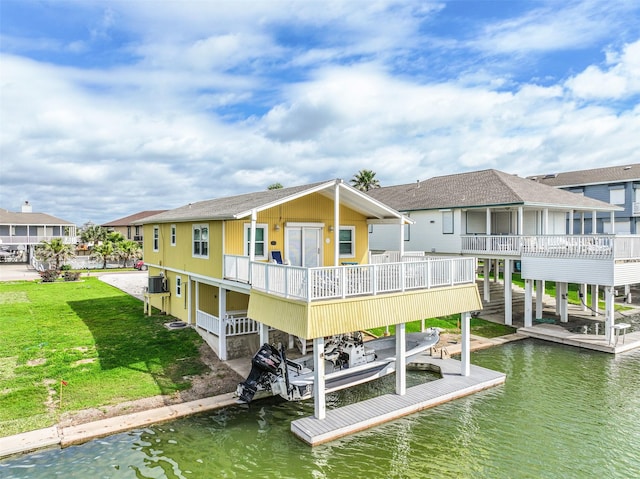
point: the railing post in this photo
(429, 272)
(308, 279)
(374, 279)
(343, 280)
(403, 271)
(451, 270)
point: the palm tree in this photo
(104, 252)
(55, 250)
(127, 250)
(365, 180)
(93, 234)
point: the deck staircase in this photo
(496, 305)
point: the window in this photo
(128, 232)
(616, 196)
(447, 222)
(347, 241)
(178, 286)
(156, 238)
(201, 241)
(173, 235)
(260, 243)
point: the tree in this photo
(55, 250)
(127, 250)
(275, 186)
(365, 180)
(93, 234)
(103, 252)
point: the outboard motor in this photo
(266, 360)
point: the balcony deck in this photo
(614, 248)
(340, 282)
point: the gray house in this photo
(617, 185)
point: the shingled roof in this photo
(131, 219)
(481, 189)
(16, 218)
(240, 206)
(610, 174)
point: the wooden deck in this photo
(559, 334)
(366, 414)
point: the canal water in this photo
(563, 413)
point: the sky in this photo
(108, 108)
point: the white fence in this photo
(235, 323)
(311, 284)
(556, 246)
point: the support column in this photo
(583, 294)
(319, 399)
(539, 297)
(582, 222)
(627, 293)
(222, 333)
(508, 307)
(613, 222)
(496, 271)
(264, 333)
(465, 353)
(594, 300)
(485, 281)
(564, 311)
(528, 307)
(336, 225)
(401, 353)
(520, 220)
(594, 222)
(609, 320)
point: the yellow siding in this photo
(208, 299)
(313, 208)
(325, 318)
(180, 256)
(237, 301)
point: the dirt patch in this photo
(220, 379)
(36, 362)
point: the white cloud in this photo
(620, 79)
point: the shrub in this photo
(71, 276)
(49, 275)
(65, 267)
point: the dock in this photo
(558, 333)
(363, 415)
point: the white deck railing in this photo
(35, 239)
(310, 284)
(556, 246)
(235, 323)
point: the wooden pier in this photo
(381, 409)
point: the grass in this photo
(94, 337)
(451, 324)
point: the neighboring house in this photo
(21, 232)
(618, 185)
(498, 217)
(129, 226)
(293, 263)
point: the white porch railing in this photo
(393, 256)
(18, 240)
(492, 244)
(236, 267)
(208, 322)
(310, 284)
(235, 323)
(556, 246)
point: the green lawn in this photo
(94, 337)
(451, 324)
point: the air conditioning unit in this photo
(155, 284)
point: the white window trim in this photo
(179, 286)
(195, 226)
(174, 234)
(247, 228)
(156, 238)
(353, 241)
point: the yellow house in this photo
(290, 263)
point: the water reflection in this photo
(561, 413)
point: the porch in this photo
(607, 247)
(413, 272)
